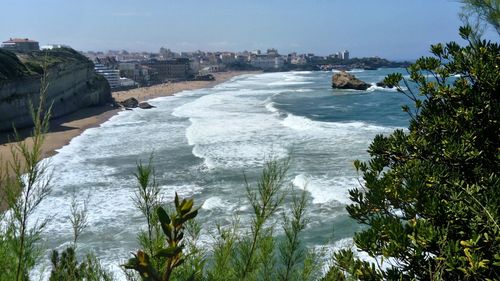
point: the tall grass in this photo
(237, 253)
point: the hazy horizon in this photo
(394, 29)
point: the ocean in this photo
(206, 141)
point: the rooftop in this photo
(20, 40)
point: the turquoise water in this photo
(204, 141)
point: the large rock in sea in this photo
(145, 105)
(130, 103)
(344, 80)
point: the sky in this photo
(394, 29)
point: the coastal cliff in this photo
(72, 84)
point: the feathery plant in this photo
(26, 183)
(290, 250)
(237, 254)
(65, 265)
(264, 202)
(260, 254)
(155, 240)
(147, 199)
(173, 226)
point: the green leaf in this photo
(169, 252)
(176, 202)
(190, 215)
(163, 216)
(186, 206)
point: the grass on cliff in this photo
(22, 65)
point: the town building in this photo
(345, 55)
(165, 70)
(298, 60)
(272, 52)
(267, 62)
(127, 82)
(241, 58)
(53, 46)
(212, 69)
(112, 75)
(20, 45)
(227, 58)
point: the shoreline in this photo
(63, 129)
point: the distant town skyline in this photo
(393, 29)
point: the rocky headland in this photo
(72, 84)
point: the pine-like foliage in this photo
(431, 195)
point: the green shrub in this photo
(431, 198)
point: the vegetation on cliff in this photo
(21, 65)
(365, 63)
(11, 67)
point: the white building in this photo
(112, 75)
(345, 55)
(53, 46)
(227, 58)
(126, 82)
(266, 62)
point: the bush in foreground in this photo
(237, 254)
(431, 198)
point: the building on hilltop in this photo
(21, 45)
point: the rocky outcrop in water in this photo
(72, 85)
(145, 105)
(383, 85)
(130, 103)
(133, 103)
(344, 80)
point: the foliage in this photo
(65, 264)
(21, 65)
(290, 250)
(260, 254)
(147, 199)
(237, 254)
(487, 11)
(431, 196)
(10, 66)
(173, 227)
(65, 267)
(26, 182)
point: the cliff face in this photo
(72, 84)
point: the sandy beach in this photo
(63, 129)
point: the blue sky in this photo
(395, 29)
